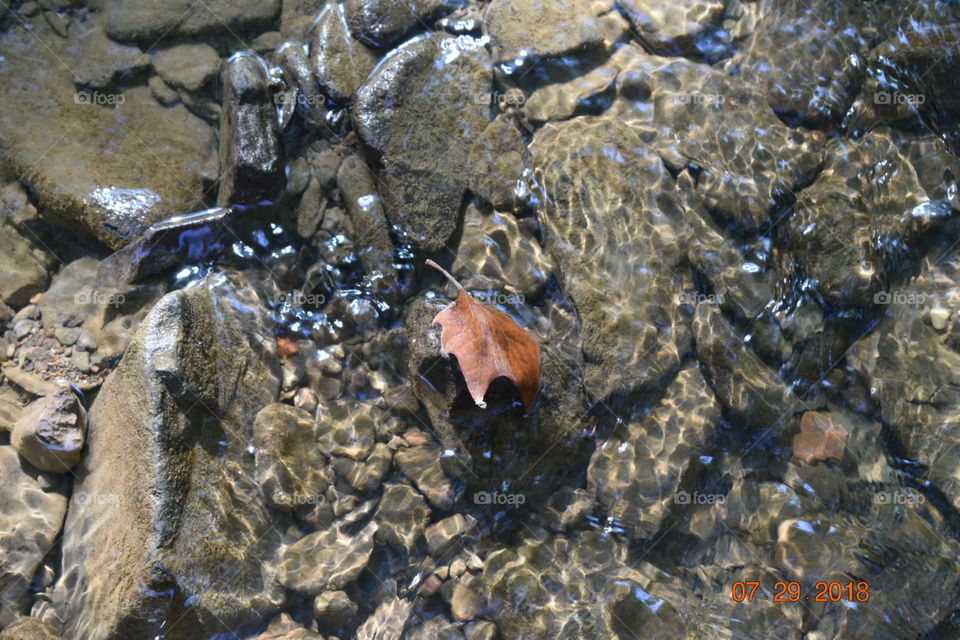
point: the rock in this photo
(30, 520)
(498, 163)
(743, 384)
(299, 75)
(50, 432)
(807, 60)
(26, 628)
(267, 42)
(179, 241)
(447, 532)
(187, 66)
(939, 317)
(685, 28)
(544, 28)
(333, 608)
(325, 560)
(67, 336)
(154, 164)
(163, 92)
(347, 427)
(480, 630)
(251, 156)
(340, 62)
(25, 264)
(96, 60)
(496, 257)
(387, 622)
(175, 415)
(284, 627)
(296, 18)
(742, 175)
(424, 172)
(401, 516)
(127, 20)
(637, 477)
(382, 22)
(421, 465)
(291, 470)
(863, 218)
(371, 234)
(466, 604)
(596, 175)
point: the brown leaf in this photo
(488, 344)
(819, 438)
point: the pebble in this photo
(939, 317)
(29, 312)
(465, 604)
(24, 328)
(67, 336)
(305, 399)
(87, 341)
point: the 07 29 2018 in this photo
(823, 591)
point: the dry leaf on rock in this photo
(488, 345)
(819, 438)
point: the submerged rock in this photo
(150, 21)
(25, 264)
(30, 520)
(325, 560)
(542, 28)
(187, 66)
(679, 28)
(431, 79)
(808, 58)
(167, 475)
(155, 162)
(637, 475)
(29, 629)
(606, 194)
(291, 470)
(340, 62)
(855, 228)
(50, 432)
(97, 61)
(286, 628)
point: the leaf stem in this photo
(444, 272)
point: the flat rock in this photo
(402, 516)
(291, 470)
(30, 520)
(154, 163)
(323, 560)
(421, 466)
(284, 627)
(96, 60)
(149, 21)
(540, 28)
(433, 79)
(340, 61)
(637, 476)
(605, 192)
(25, 264)
(678, 28)
(187, 66)
(176, 415)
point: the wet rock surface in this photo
(33, 512)
(93, 186)
(424, 169)
(189, 412)
(730, 225)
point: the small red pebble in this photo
(416, 438)
(287, 347)
(36, 298)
